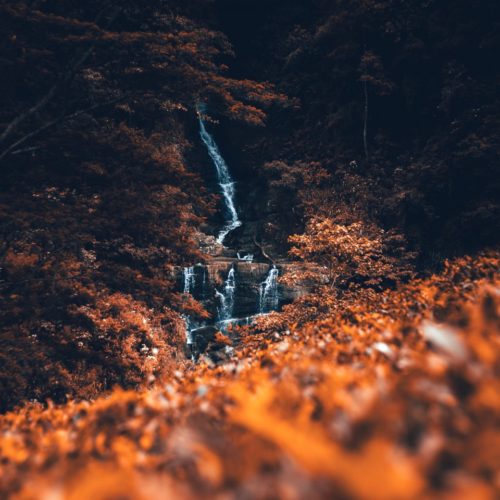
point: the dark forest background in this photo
(383, 113)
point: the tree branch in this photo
(25, 150)
(51, 124)
(261, 248)
(14, 124)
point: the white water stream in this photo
(268, 292)
(189, 279)
(225, 180)
(268, 298)
(226, 297)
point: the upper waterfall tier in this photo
(225, 180)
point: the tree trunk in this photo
(261, 248)
(365, 125)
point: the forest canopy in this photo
(249, 249)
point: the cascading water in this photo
(226, 297)
(268, 292)
(197, 282)
(245, 258)
(231, 322)
(189, 283)
(189, 279)
(233, 297)
(188, 329)
(224, 178)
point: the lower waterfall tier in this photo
(236, 292)
(208, 282)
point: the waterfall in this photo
(189, 282)
(225, 180)
(245, 258)
(226, 297)
(188, 330)
(268, 292)
(189, 279)
(231, 322)
(196, 281)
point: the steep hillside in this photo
(396, 100)
(101, 193)
(249, 249)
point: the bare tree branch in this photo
(261, 248)
(14, 124)
(20, 118)
(53, 123)
(25, 150)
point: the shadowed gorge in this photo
(249, 249)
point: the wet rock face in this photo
(202, 337)
(315, 275)
(210, 278)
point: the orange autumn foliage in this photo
(383, 381)
(389, 394)
(354, 252)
